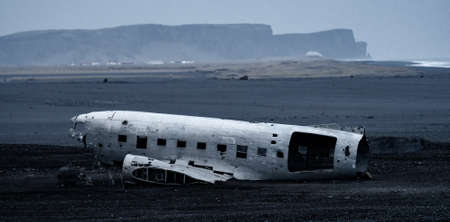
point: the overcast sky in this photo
(394, 29)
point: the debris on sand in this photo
(245, 77)
(69, 176)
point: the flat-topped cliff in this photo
(151, 42)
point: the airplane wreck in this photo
(177, 149)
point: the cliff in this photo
(143, 43)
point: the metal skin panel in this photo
(104, 127)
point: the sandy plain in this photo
(405, 110)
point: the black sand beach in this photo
(408, 184)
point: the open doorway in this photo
(309, 151)
(362, 155)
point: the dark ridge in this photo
(151, 42)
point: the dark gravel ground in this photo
(412, 185)
(411, 175)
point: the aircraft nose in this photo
(79, 118)
(79, 130)
(74, 118)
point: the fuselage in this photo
(245, 150)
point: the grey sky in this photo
(394, 29)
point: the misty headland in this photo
(157, 44)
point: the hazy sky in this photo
(393, 28)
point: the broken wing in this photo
(145, 169)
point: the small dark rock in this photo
(244, 78)
(68, 176)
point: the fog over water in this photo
(401, 29)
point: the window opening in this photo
(280, 154)
(161, 142)
(122, 138)
(221, 148)
(262, 151)
(181, 143)
(201, 145)
(241, 151)
(141, 142)
(347, 151)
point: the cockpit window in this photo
(78, 125)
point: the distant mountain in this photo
(150, 42)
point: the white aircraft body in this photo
(177, 149)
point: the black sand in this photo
(409, 185)
(406, 187)
(40, 111)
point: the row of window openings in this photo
(241, 151)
